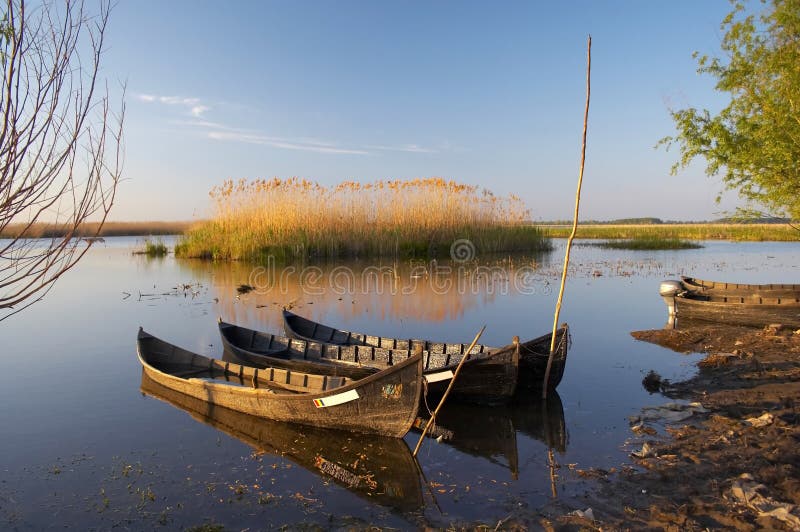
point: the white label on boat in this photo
(337, 399)
(441, 376)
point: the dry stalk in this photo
(574, 221)
(447, 391)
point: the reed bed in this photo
(694, 231)
(649, 243)
(153, 248)
(43, 230)
(299, 219)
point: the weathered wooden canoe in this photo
(385, 403)
(485, 377)
(533, 354)
(379, 469)
(700, 285)
(736, 307)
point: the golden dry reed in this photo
(298, 219)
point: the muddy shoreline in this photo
(723, 454)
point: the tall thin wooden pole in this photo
(447, 391)
(574, 221)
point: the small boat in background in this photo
(533, 354)
(485, 377)
(376, 468)
(735, 304)
(385, 403)
(699, 285)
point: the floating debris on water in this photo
(244, 289)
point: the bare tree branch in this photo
(60, 143)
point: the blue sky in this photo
(486, 93)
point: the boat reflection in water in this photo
(380, 469)
(490, 432)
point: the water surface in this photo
(88, 444)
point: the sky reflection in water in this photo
(83, 444)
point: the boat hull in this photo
(385, 403)
(487, 378)
(754, 305)
(751, 311)
(706, 287)
(533, 354)
(533, 360)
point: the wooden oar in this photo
(447, 391)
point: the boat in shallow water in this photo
(533, 354)
(694, 284)
(485, 377)
(385, 403)
(735, 304)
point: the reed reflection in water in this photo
(432, 291)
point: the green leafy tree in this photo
(754, 142)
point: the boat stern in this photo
(668, 290)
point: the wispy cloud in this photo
(411, 148)
(278, 142)
(223, 132)
(196, 111)
(192, 105)
(204, 124)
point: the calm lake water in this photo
(88, 444)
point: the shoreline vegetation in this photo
(89, 229)
(672, 231)
(297, 219)
(753, 232)
(648, 243)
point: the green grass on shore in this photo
(699, 231)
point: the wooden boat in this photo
(485, 377)
(533, 354)
(376, 468)
(700, 285)
(754, 307)
(385, 403)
